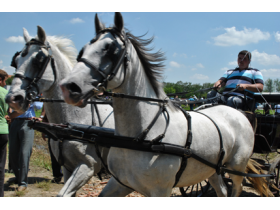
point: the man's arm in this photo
(220, 83)
(252, 87)
(13, 114)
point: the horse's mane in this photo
(65, 46)
(152, 62)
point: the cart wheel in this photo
(275, 169)
(197, 190)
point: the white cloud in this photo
(175, 64)
(1, 62)
(277, 36)
(199, 65)
(194, 69)
(200, 77)
(270, 73)
(76, 20)
(184, 55)
(181, 55)
(234, 37)
(15, 39)
(264, 58)
(224, 69)
(232, 63)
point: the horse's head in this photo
(34, 72)
(98, 64)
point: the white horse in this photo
(80, 159)
(151, 173)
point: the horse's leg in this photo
(218, 184)
(237, 185)
(80, 176)
(66, 174)
(115, 189)
(236, 180)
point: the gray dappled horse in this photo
(80, 159)
(153, 174)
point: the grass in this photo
(38, 113)
(41, 159)
(19, 193)
(261, 111)
(8, 175)
(45, 185)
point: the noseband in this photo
(40, 62)
(117, 62)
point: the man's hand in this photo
(8, 119)
(44, 137)
(218, 84)
(242, 87)
(37, 119)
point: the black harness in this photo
(40, 62)
(154, 145)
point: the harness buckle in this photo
(187, 153)
(77, 134)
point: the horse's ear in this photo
(26, 36)
(98, 25)
(41, 34)
(119, 21)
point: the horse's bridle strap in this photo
(86, 61)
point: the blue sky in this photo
(199, 46)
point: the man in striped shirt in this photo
(244, 76)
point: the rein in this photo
(183, 93)
(50, 100)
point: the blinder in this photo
(40, 60)
(13, 63)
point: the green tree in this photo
(269, 87)
(168, 88)
(9, 80)
(277, 85)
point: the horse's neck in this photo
(62, 112)
(133, 116)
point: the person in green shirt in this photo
(4, 128)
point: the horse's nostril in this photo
(18, 98)
(74, 88)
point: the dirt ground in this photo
(39, 183)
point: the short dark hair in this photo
(3, 74)
(246, 52)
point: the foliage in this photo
(180, 86)
(9, 80)
(268, 87)
(277, 85)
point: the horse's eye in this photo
(106, 47)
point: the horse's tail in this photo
(260, 184)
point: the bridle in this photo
(123, 57)
(40, 62)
